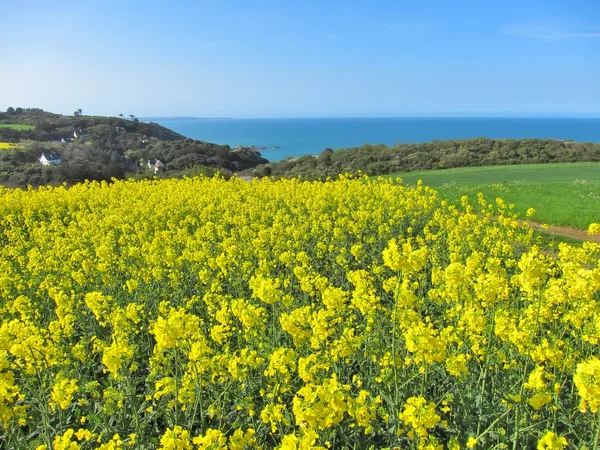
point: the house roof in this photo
(51, 156)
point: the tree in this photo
(10, 110)
(132, 116)
(324, 157)
(78, 112)
(104, 137)
(121, 115)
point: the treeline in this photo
(381, 159)
(187, 153)
(103, 159)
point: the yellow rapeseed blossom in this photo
(550, 441)
(176, 439)
(115, 356)
(305, 442)
(65, 441)
(419, 415)
(587, 381)
(212, 313)
(211, 440)
(594, 228)
(320, 406)
(273, 415)
(63, 392)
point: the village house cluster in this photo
(53, 158)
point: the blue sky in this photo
(303, 58)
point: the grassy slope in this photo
(17, 126)
(562, 194)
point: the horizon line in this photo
(435, 116)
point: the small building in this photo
(80, 134)
(156, 164)
(50, 158)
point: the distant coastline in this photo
(298, 137)
(182, 118)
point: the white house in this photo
(156, 165)
(50, 158)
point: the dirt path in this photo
(569, 232)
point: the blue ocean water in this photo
(297, 137)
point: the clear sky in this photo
(302, 58)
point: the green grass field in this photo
(562, 194)
(16, 126)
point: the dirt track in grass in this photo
(569, 232)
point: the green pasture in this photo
(562, 194)
(17, 126)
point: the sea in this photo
(277, 139)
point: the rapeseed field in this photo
(211, 314)
(7, 146)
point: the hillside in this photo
(47, 126)
(102, 148)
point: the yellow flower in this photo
(98, 303)
(472, 442)
(241, 440)
(594, 228)
(587, 381)
(65, 441)
(420, 415)
(113, 444)
(62, 392)
(306, 442)
(551, 441)
(212, 440)
(281, 362)
(116, 356)
(425, 342)
(265, 289)
(174, 330)
(176, 439)
(320, 406)
(273, 415)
